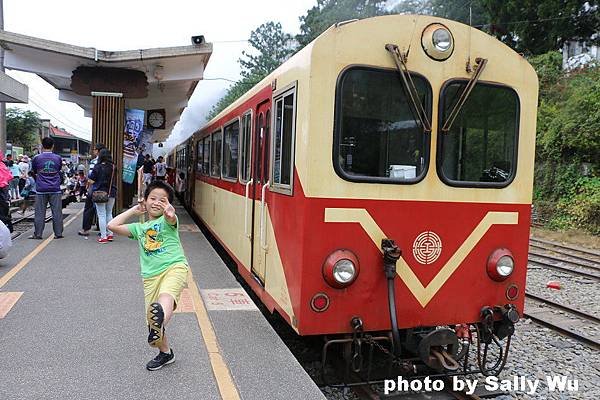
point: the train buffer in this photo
(72, 326)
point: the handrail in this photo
(246, 209)
(263, 236)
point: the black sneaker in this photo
(160, 360)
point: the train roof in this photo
(303, 56)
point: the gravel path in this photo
(537, 352)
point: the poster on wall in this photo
(134, 124)
(144, 143)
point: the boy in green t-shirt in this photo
(164, 267)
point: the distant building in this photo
(578, 54)
(67, 145)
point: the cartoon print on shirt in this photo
(153, 240)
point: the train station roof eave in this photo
(12, 91)
(172, 73)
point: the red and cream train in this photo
(388, 165)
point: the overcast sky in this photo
(129, 25)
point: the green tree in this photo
(528, 26)
(549, 70)
(273, 47)
(234, 92)
(329, 12)
(22, 127)
(572, 131)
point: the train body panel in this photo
(326, 157)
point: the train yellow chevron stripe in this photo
(422, 294)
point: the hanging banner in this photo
(144, 143)
(134, 123)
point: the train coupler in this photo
(438, 349)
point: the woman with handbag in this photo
(104, 191)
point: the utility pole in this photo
(2, 104)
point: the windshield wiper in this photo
(480, 64)
(409, 86)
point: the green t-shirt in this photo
(160, 246)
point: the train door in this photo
(261, 184)
(190, 176)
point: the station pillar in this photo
(108, 126)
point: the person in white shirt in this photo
(24, 169)
(160, 169)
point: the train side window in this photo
(206, 156)
(231, 140)
(376, 136)
(480, 150)
(200, 156)
(215, 154)
(246, 138)
(283, 141)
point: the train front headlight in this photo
(441, 39)
(341, 268)
(500, 265)
(344, 271)
(505, 266)
(437, 42)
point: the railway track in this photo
(24, 222)
(569, 321)
(574, 260)
(562, 248)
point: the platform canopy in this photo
(12, 91)
(150, 79)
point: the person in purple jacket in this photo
(46, 166)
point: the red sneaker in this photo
(102, 240)
(110, 238)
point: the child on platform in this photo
(164, 267)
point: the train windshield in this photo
(481, 147)
(377, 137)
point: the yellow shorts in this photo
(170, 281)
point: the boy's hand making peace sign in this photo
(168, 211)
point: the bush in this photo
(580, 209)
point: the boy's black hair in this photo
(158, 184)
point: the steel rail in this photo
(563, 307)
(565, 330)
(580, 249)
(565, 269)
(563, 260)
(563, 252)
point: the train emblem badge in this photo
(427, 247)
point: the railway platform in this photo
(72, 326)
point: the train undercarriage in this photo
(371, 357)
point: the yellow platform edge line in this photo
(10, 274)
(221, 372)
